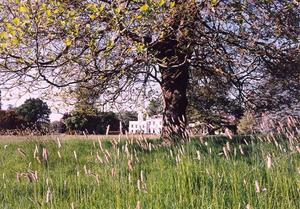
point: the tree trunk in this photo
(174, 87)
(172, 52)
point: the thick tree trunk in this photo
(174, 86)
(172, 52)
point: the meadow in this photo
(260, 171)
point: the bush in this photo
(9, 119)
(247, 123)
(58, 127)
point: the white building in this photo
(152, 125)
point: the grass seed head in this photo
(130, 165)
(48, 196)
(75, 155)
(21, 152)
(45, 154)
(58, 153)
(138, 205)
(257, 188)
(269, 161)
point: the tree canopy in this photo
(34, 111)
(113, 45)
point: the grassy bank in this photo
(200, 174)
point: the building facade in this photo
(152, 125)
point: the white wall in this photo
(150, 126)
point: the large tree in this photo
(35, 112)
(115, 44)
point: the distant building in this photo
(152, 125)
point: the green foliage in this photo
(79, 121)
(86, 100)
(75, 121)
(34, 111)
(194, 175)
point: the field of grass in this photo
(208, 173)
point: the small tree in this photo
(34, 112)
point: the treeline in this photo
(96, 123)
(32, 117)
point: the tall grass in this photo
(207, 173)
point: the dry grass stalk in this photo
(198, 155)
(269, 161)
(75, 155)
(72, 206)
(36, 151)
(257, 188)
(99, 158)
(241, 150)
(58, 143)
(45, 154)
(113, 172)
(129, 178)
(228, 146)
(225, 152)
(142, 176)
(130, 165)
(171, 154)
(139, 185)
(59, 155)
(85, 170)
(138, 205)
(48, 196)
(21, 152)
